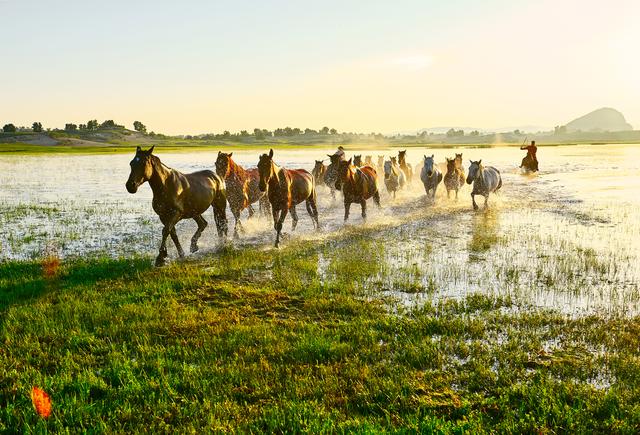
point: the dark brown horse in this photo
(242, 188)
(178, 196)
(331, 175)
(357, 185)
(406, 167)
(286, 189)
(318, 172)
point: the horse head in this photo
(344, 168)
(357, 160)
(428, 164)
(402, 156)
(388, 168)
(451, 165)
(265, 170)
(223, 164)
(141, 169)
(475, 168)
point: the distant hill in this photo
(605, 119)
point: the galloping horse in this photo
(406, 167)
(178, 196)
(318, 172)
(394, 178)
(357, 185)
(242, 188)
(286, 189)
(331, 175)
(454, 178)
(430, 176)
(357, 160)
(485, 180)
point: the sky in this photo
(194, 67)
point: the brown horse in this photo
(357, 185)
(458, 160)
(406, 168)
(454, 177)
(242, 188)
(286, 189)
(357, 160)
(331, 174)
(178, 196)
(318, 172)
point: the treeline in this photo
(91, 125)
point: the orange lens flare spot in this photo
(41, 402)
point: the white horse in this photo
(485, 179)
(394, 177)
(430, 176)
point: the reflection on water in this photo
(566, 238)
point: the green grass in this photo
(260, 341)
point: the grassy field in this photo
(262, 340)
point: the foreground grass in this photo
(260, 341)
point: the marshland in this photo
(429, 316)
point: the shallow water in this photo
(567, 238)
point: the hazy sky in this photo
(204, 66)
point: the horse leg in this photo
(486, 200)
(347, 206)
(333, 194)
(363, 204)
(166, 230)
(283, 214)
(376, 198)
(473, 200)
(251, 211)
(202, 224)
(220, 214)
(237, 223)
(313, 211)
(176, 242)
(294, 217)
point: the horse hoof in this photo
(160, 262)
(194, 249)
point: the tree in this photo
(258, 134)
(109, 123)
(310, 131)
(139, 127)
(92, 125)
(244, 133)
(324, 130)
(70, 127)
(474, 133)
(37, 127)
(9, 128)
(333, 131)
(455, 133)
(82, 126)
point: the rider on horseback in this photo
(530, 161)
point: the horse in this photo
(485, 180)
(242, 188)
(331, 174)
(178, 196)
(287, 188)
(319, 170)
(458, 160)
(430, 176)
(357, 160)
(380, 167)
(368, 160)
(529, 164)
(406, 167)
(454, 178)
(394, 178)
(357, 185)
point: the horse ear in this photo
(271, 153)
(349, 161)
(150, 150)
(138, 150)
(432, 156)
(479, 161)
(230, 154)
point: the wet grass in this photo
(299, 339)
